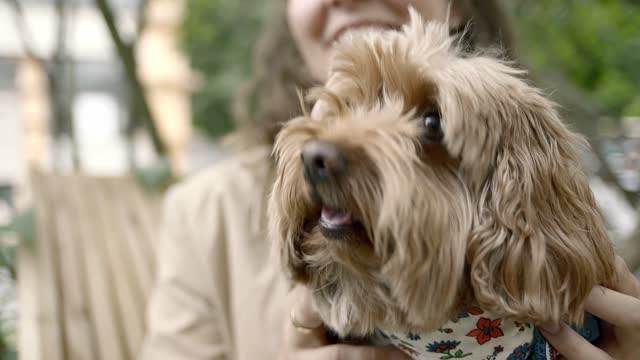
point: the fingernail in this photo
(552, 328)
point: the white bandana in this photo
(475, 335)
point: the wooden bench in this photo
(84, 282)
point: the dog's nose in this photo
(322, 160)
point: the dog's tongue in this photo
(335, 217)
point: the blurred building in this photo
(96, 85)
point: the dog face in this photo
(426, 179)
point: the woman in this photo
(219, 295)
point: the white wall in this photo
(12, 161)
(102, 148)
(88, 38)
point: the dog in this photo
(426, 181)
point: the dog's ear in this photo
(538, 244)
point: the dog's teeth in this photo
(335, 217)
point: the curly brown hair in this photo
(270, 97)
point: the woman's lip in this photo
(329, 40)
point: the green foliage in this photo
(7, 347)
(8, 258)
(7, 317)
(633, 108)
(218, 36)
(596, 43)
(23, 227)
(22, 224)
(157, 177)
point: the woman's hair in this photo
(270, 97)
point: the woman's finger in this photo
(615, 308)
(304, 327)
(304, 309)
(351, 352)
(571, 344)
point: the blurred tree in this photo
(59, 69)
(139, 108)
(61, 82)
(588, 52)
(218, 36)
(596, 43)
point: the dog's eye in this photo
(432, 129)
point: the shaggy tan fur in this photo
(498, 214)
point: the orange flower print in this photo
(474, 310)
(486, 330)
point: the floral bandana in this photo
(477, 334)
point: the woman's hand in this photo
(305, 337)
(620, 309)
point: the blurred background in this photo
(125, 96)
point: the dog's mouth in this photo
(339, 224)
(335, 218)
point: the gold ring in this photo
(299, 327)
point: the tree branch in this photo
(61, 82)
(142, 20)
(134, 108)
(23, 29)
(125, 53)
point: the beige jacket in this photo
(219, 294)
